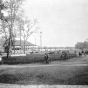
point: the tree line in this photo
(82, 45)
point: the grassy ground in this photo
(63, 75)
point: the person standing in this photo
(46, 57)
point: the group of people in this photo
(64, 55)
(81, 53)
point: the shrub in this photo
(34, 58)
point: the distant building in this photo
(19, 45)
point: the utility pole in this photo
(41, 41)
(35, 42)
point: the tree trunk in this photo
(24, 45)
(7, 51)
(20, 40)
(7, 54)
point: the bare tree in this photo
(26, 29)
(13, 9)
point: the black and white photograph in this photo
(43, 43)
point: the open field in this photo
(71, 72)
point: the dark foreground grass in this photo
(52, 75)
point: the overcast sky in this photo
(63, 22)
